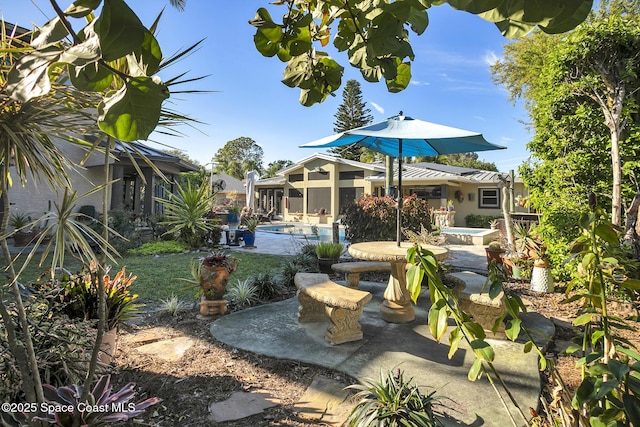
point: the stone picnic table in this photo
(397, 306)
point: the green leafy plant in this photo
(374, 218)
(445, 306)
(269, 286)
(186, 213)
(479, 221)
(251, 223)
(242, 292)
(609, 393)
(61, 345)
(495, 247)
(173, 305)
(393, 401)
(19, 220)
(159, 247)
(79, 293)
(329, 250)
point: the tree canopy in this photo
(465, 160)
(238, 157)
(581, 90)
(376, 35)
(274, 167)
(352, 113)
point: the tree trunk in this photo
(632, 227)
(616, 190)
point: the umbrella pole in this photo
(399, 217)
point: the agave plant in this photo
(185, 213)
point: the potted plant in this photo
(21, 235)
(233, 214)
(450, 205)
(494, 253)
(214, 274)
(328, 254)
(79, 295)
(541, 277)
(494, 223)
(250, 223)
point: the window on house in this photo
(296, 177)
(349, 195)
(489, 198)
(319, 199)
(295, 201)
(318, 176)
(427, 191)
(347, 175)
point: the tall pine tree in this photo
(351, 114)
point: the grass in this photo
(158, 275)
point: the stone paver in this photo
(147, 336)
(241, 405)
(324, 400)
(170, 350)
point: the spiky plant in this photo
(242, 292)
(393, 401)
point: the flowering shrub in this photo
(374, 218)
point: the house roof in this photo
(424, 172)
(276, 180)
(137, 150)
(333, 159)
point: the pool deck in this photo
(461, 257)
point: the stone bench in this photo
(479, 305)
(352, 270)
(321, 299)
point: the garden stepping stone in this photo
(170, 350)
(324, 400)
(147, 336)
(241, 405)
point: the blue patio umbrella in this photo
(403, 136)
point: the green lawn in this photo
(157, 275)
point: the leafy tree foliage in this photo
(375, 35)
(181, 154)
(465, 160)
(581, 92)
(352, 113)
(239, 156)
(374, 218)
(274, 167)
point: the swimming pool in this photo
(455, 235)
(302, 231)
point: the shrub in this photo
(374, 218)
(480, 221)
(558, 228)
(242, 292)
(329, 250)
(159, 247)
(62, 348)
(393, 401)
(269, 287)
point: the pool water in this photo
(311, 232)
(455, 235)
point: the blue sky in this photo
(451, 82)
